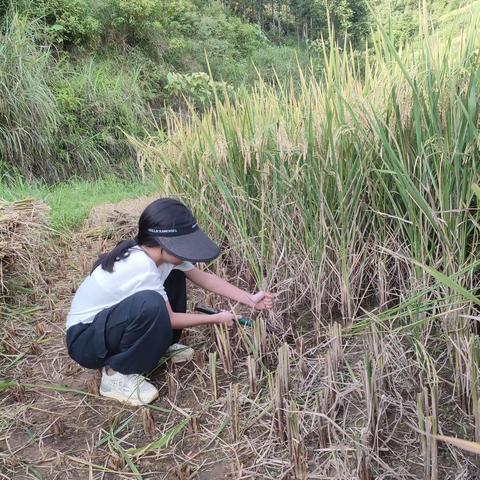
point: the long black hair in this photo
(153, 215)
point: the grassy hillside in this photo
(405, 20)
(83, 74)
(77, 75)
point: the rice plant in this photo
(29, 114)
(313, 184)
(355, 197)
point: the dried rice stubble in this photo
(116, 221)
(23, 243)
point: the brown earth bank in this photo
(296, 400)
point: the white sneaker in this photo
(132, 389)
(180, 353)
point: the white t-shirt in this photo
(102, 289)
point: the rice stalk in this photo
(212, 361)
(473, 374)
(223, 347)
(233, 411)
(295, 442)
(427, 410)
(252, 376)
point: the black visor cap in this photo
(176, 230)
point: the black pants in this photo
(132, 335)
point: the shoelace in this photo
(137, 378)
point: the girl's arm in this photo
(218, 285)
(185, 320)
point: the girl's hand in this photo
(225, 317)
(262, 300)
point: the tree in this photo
(309, 19)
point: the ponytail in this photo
(156, 214)
(107, 260)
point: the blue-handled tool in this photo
(246, 322)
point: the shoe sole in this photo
(128, 400)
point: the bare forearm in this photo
(186, 320)
(217, 285)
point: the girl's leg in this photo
(176, 287)
(138, 324)
(137, 332)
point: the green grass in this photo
(61, 118)
(71, 202)
(28, 111)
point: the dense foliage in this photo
(308, 19)
(402, 17)
(77, 75)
